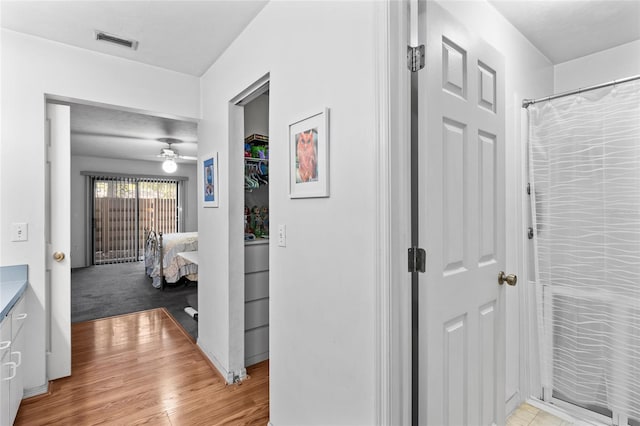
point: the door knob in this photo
(58, 256)
(510, 279)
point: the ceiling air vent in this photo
(114, 39)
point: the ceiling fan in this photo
(170, 155)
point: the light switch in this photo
(282, 235)
(19, 232)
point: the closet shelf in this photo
(256, 139)
(255, 159)
(249, 189)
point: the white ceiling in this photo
(111, 133)
(184, 36)
(188, 36)
(568, 29)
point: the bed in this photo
(165, 247)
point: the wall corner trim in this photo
(227, 375)
(382, 257)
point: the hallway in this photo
(143, 368)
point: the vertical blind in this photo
(124, 208)
(585, 174)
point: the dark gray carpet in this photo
(106, 290)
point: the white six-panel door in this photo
(462, 226)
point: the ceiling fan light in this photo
(169, 165)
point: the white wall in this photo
(133, 167)
(529, 74)
(256, 116)
(318, 54)
(601, 67)
(31, 68)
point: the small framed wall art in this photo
(309, 156)
(211, 184)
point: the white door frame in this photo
(392, 150)
(530, 386)
(236, 368)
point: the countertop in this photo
(13, 283)
(256, 242)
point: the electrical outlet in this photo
(19, 232)
(282, 235)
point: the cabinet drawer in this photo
(256, 258)
(256, 286)
(5, 336)
(256, 342)
(256, 314)
(18, 317)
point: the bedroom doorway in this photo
(81, 142)
(121, 192)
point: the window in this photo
(124, 208)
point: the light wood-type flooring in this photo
(528, 415)
(143, 368)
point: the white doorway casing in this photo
(393, 158)
(234, 367)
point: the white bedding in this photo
(174, 267)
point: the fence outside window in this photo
(124, 207)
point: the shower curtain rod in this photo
(527, 102)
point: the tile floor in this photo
(528, 415)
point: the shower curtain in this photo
(584, 165)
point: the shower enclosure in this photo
(584, 165)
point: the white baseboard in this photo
(242, 374)
(513, 402)
(28, 393)
(562, 413)
(228, 375)
(217, 364)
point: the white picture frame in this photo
(210, 182)
(309, 156)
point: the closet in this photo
(256, 230)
